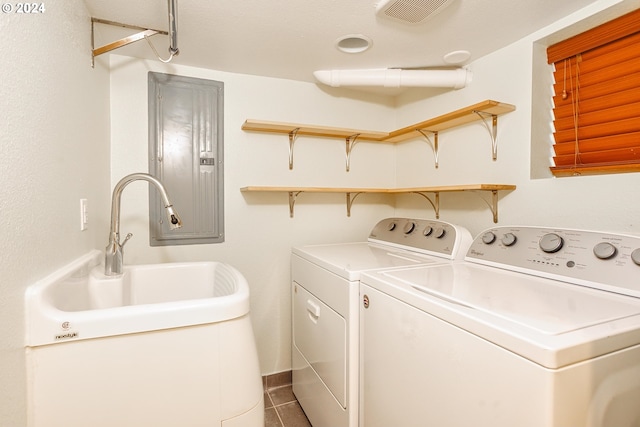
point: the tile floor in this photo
(281, 409)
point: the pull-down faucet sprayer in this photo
(113, 258)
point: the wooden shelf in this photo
(451, 120)
(312, 130)
(351, 136)
(443, 189)
(482, 111)
(352, 193)
(486, 111)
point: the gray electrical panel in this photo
(186, 154)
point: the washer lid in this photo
(348, 260)
(545, 306)
(550, 322)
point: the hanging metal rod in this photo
(173, 28)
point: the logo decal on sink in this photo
(66, 336)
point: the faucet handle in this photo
(126, 239)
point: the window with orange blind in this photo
(597, 99)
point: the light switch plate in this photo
(84, 215)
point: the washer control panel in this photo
(604, 260)
(423, 235)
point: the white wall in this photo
(259, 232)
(607, 202)
(54, 150)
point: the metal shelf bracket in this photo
(293, 135)
(434, 144)
(351, 197)
(351, 142)
(350, 201)
(435, 204)
(493, 130)
(292, 201)
(493, 204)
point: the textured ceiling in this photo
(292, 38)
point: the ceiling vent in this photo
(411, 11)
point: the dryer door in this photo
(320, 334)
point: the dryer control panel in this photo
(423, 235)
(602, 260)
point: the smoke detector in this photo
(411, 11)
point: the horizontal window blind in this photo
(597, 99)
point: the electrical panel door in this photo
(185, 153)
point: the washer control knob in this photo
(604, 250)
(551, 243)
(488, 238)
(439, 232)
(391, 226)
(509, 239)
(409, 227)
(635, 256)
(427, 230)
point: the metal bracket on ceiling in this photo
(144, 33)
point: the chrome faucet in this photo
(113, 256)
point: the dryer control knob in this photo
(391, 226)
(409, 227)
(427, 230)
(635, 256)
(604, 250)
(508, 239)
(488, 238)
(551, 243)
(439, 232)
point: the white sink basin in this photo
(154, 284)
(80, 302)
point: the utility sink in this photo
(79, 301)
(158, 345)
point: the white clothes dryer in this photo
(540, 327)
(325, 295)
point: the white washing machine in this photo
(325, 295)
(539, 327)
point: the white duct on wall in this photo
(395, 77)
